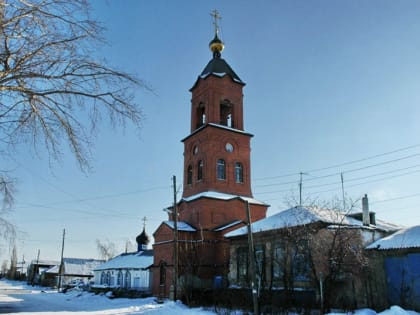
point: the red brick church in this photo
(216, 186)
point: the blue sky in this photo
(328, 83)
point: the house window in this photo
(259, 260)
(239, 173)
(242, 263)
(221, 169)
(189, 174)
(278, 265)
(108, 278)
(200, 170)
(127, 279)
(301, 267)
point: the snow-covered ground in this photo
(18, 298)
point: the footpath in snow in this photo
(19, 298)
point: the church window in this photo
(108, 278)
(189, 174)
(239, 173)
(200, 170)
(120, 279)
(221, 169)
(127, 279)
(103, 277)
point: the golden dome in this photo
(216, 45)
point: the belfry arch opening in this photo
(226, 113)
(201, 115)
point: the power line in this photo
(397, 198)
(341, 164)
(343, 172)
(352, 179)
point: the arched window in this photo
(189, 175)
(200, 170)
(103, 277)
(127, 280)
(239, 173)
(120, 279)
(108, 278)
(221, 169)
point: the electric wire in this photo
(341, 164)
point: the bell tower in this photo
(190, 247)
(217, 151)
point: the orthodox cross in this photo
(144, 222)
(216, 16)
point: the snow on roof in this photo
(137, 260)
(404, 238)
(386, 226)
(221, 196)
(295, 217)
(77, 266)
(41, 262)
(226, 226)
(229, 128)
(182, 226)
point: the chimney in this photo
(365, 214)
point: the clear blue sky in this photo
(328, 82)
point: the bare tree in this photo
(7, 230)
(13, 264)
(106, 249)
(53, 91)
(3, 268)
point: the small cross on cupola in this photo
(216, 45)
(142, 239)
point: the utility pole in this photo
(36, 268)
(300, 190)
(175, 215)
(60, 271)
(251, 252)
(342, 190)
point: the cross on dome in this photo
(216, 45)
(216, 16)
